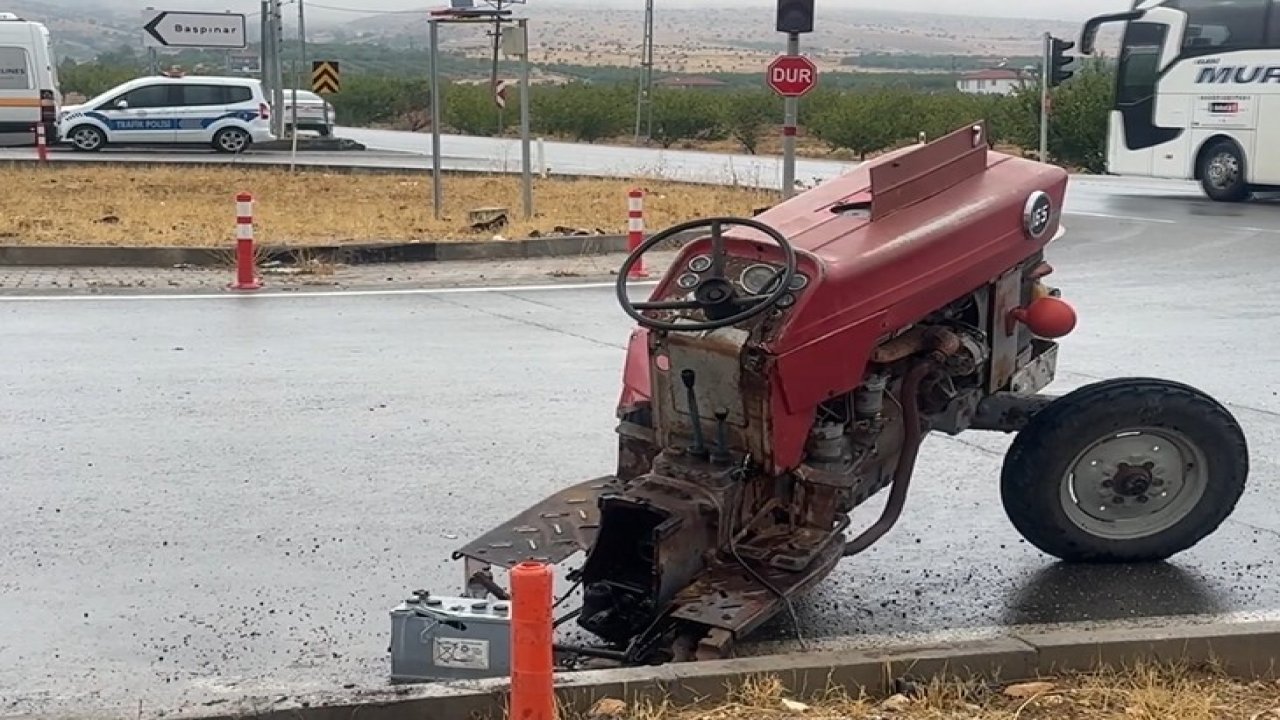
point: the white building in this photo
(990, 82)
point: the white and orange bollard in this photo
(635, 229)
(246, 269)
(42, 143)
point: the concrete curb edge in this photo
(354, 254)
(1247, 650)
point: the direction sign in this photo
(181, 29)
(325, 77)
(792, 75)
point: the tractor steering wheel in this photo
(715, 293)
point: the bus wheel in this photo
(1222, 173)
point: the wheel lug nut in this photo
(1106, 483)
(1117, 500)
(1158, 482)
(1143, 498)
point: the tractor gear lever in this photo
(689, 377)
(720, 456)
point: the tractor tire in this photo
(1222, 173)
(1125, 471)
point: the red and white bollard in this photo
(42, 143)
(635, 229)
(246, 269)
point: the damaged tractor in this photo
(786, 370)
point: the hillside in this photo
(696, 40)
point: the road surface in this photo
(394, 149)
(213, 497)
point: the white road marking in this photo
(249, 296)
(1130, 218)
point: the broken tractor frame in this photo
(786, 369)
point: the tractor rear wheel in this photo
(1128, 470)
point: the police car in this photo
(229, 113)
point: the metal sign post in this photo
(791, 113)
(1044, 98)
(792, 76)
(437, 193)
(516, 45)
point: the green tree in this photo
(749, 115)
(90, 79)
(583, 112)
(863, 123)
(376, 100)
(470, 109)
(687, 115)
(1077, 123)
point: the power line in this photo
(366, 11)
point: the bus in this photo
(1197, 93)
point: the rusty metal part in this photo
(919, 339)
(730, 598)
(906, 461)
(656, 537)
(484, 579)
(1008, 412)
(548, 532)
(899, 348)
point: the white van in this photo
(229, 113)
(29, 92)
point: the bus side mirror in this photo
(1089, 36)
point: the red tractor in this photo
(786, 371)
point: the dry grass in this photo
(86, 205)
(1147, 693)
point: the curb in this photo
(359, 254)
(1245, 650)
(330, 144)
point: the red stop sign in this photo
(792, 75)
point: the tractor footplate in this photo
(549, 532)
(732, 602)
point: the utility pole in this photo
(644, 95)
(277, 68)
(264, 44)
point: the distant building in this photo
(990, 82)
(690, 81)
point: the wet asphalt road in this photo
(212, 498)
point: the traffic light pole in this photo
(1044, 97)
(791, 113)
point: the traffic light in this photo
(1058, 61)
(795, 16)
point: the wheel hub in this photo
(1223, 170)
(1134, 484)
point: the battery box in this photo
(437, 638)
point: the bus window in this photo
(1140, 62)
(1216, 25)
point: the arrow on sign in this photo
(325, 77)
(195, 30)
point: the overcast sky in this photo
(1063, 9)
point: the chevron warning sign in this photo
(325, 77)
